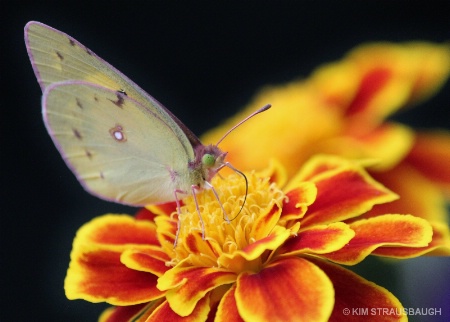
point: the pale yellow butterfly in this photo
(120, 142)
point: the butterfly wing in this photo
(118, 149)
(57, 57)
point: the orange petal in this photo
(117, 232)
(344, 193)
(253, 251)
(318, 239)
(227, 310)
(387, 230)
(439, 246)
(357, 299)
(99, 276)
(292, 287)
(152, 260)
(165, 313)
(298, 200)
(431, 156)
(186, 286)
(267, 220)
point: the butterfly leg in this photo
(225, 216)
(179, 215)
(194, 188)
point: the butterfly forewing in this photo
(118, 149)
(57, 57)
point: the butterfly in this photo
(120, 142)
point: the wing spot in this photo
(101, 175)
(95, 98)
(120, 101)
(88, 51)
(77, 134)
(71, 42)
(118, 134)
(79, 103)
(89, 154)
(60, 56)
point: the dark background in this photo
(204, 61)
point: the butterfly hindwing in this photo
(118, 149)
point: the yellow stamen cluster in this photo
(222, 237)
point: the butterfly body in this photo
(120, 142)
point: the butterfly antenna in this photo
(246, 186)
(262, 109)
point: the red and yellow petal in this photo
(266, 221)
(439, 245)
(298, 200)
(186, 286)
(164, 312)
(430, 155)
(318, 239)
(152, 260)
(354, 294)
(98, 275)
(96, 272)
(291, 287)
(117, 232)
(386, 230)
(131, 313)
(227, 309)
(249, 258)
(343, 193)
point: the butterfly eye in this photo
(208, 160)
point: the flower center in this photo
(221, 237)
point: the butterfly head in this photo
(210, 159)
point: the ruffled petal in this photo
(387, 230)
(117, 232)
(152, 260)
(131, 313)
(343, 193)
(99, 276)
(249, 258)
(355, 296)
(165, 313)
(292, 287)
(227, 310)
(266, 221)
(297, 201)
(96, 272)
(439, 246)
(185, 286)
(319, 239)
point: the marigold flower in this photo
(342, 109)
(276, 260)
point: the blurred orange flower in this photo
(342, 109)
